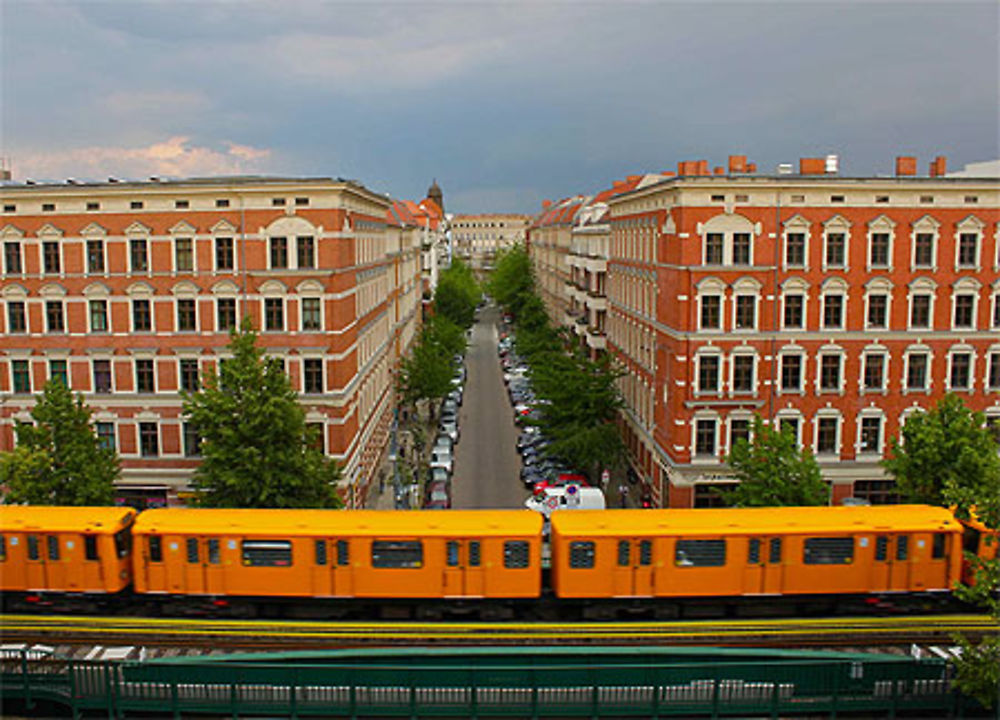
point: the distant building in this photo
(477, 238)
(128, 291)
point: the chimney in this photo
(751, 168)
(737, 164)
(703, 167)
(546, 204)
(633, 178)
(906, 165)
(719, 170)
(939, 166)
(668, 173)
(812, 166)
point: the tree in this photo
(940, 450)
(773, 471)
(59, 460)
(512, 282)
(257, 450)
(457, 294)
(948, 456)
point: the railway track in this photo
(291, 635)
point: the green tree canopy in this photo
(257, 451)
(773, 471)
(457, 294)
(59, 459)
(512, 282)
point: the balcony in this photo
(595, 302)
(596, 340)
(580, 327)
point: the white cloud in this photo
(175, 156)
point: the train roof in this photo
(912, 518)
(290, 523)
(50, 518)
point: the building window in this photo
(878, 250)
(791, 373)
(142, 317)
(833, 312)
(746, 312)
(993, 375)
(17, 318)
(183, 254)
(12, 258)
(741, 248)
(965, 307)
(826, 435)
(704, 441)
(961, 371)
(102, 376)
(878, 311)
(996, 310)
(182, 204)
(192, 441)
(920, 310)
(829, 372)
(871, 434)
(21, 374)
(993, 425)
(968, 250)
(301, 201)
(874, 371)
(279, 253)
(149, 439)
(189, 375)
(794, 313)
(305, 251)
(50, 257)
(923, 250)
(711, 312)
(795, 249)
(835, 249)
(106, 435)
(917, 364)
(739, 429)
(136, 205)
(186, 315)
(743, 373)
(708, 373)
(312, 375)
(54, 321)
(95, 256)
(713, 249)
(58, 370)
(317, 436)
(98, 315)
(138, 252)
(274, 314)
(225, 313)
(311, 319)
(145, 376)
(224, 258)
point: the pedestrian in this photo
(623, 491)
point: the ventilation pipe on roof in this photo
(785, 169)
(832, 164)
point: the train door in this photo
(73, 563)
(930, 567)
(154, 566)
(899, 563)
(343, 584)
(213, 567)
(622, 573)
(881, 564)
(55, 567)
(774, 569)
(633, 570)
(475, 580)
(762, 574)
(322, 575)
(452, 585)
(463, 568)
(34, 564)
(90, 567)
(194, 571)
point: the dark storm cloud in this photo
(505, 103)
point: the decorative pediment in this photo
(727, 223)
(96, 290)
(290, 226)
(52, 290)
(796, 221)
(927, 222)
(225, 287)
(141, 289)
(94, 230)
(967, 283)
(669, 227)
(970, 222)
(710, 285)
(273, 287)
(309, 287)
(48, 230)
(14, 290)
(878, 283)
(838, 222)
(747, 283)
(184, 287)
(10, 232)
(137, 228)
(183, 228)
(922, 283)
(882, 222)
(795, 283)
(834, 283)
(222, 227)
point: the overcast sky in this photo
(505, 104)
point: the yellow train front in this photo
(263, 560)
(729, 557)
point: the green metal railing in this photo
(492, 682)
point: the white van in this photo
(567, 497)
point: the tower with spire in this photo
(434, 193)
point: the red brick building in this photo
(128, 291)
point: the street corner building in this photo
(834, 306)
(128, 291)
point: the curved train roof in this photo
(49, 518)
(885, 518)
(347, 522)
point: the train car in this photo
(460, 554)
(980, 541)
(731, 553)
(64, 550)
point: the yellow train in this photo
(478, 561)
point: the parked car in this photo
(456, 395)
(441, 458)
(451, 430)
(440, 475)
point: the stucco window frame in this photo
(822, 414)
(964, 287)
(837, 224)
(795, 224)
(921, 286)
(970, 225)
(832, 351)
(964, 349)
(880, 225)
(908, 353)
(870, 412)
(926, 225)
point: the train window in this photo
(881, 548)
(343, 553)
(970, 540)
(452, 551)
(90, 547)
(192, 550)
(397, 554)
(700, 553)
(123, 542)
(623, 553)
(474, 556)
(646, 552)
(213, 551)
(774, 556)
(320, 552)
(515, 554)
(581, 554)
(155, 548)
(53, 546)
(902, 547)
(267, 553)
(937, 548)
(753, 551)
(33, 547)
(3, 548)
(828, 551)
